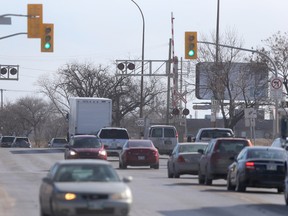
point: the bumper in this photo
(263, 180)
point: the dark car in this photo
(286, 187)
(185, 159)
(216, 158)
(261, 167)
(86, 147)
(21, 142)
(6, 141)
(57, 143)
(84, 187)
(139, 153)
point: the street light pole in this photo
(142, 63)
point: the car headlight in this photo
(124, 195)
(72, 153)
(66, 196)
(102, 152)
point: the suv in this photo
(57, 143)
(206, 134)
(216, 158)
(164, 138)
(21, 142)
(6, 141)
(113, 139)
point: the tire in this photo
(176, 175)
(230, 187)
(120, 165)
(240, 186)
(286, 197)
(208, 181)
(170, 175)
(280, 189)
(201, 178)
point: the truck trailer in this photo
(88, 115)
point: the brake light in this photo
(181, 159)
(249, 165)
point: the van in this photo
(164, 138)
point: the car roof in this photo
(193, 143)
(84, 161)
(116, 128)
(171, 126)
(85, 135)
(231, 138)
(265, 147)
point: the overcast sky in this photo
(104, 31)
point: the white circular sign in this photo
(276, 83)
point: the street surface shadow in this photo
(37, 151)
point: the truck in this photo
(88, 115)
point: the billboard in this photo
(230, 80)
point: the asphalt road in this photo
(21, 171)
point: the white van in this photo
(164, 138)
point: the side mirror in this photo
(67, 146)
(201, 151)
(47, 180)
(127, 179)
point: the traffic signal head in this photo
(190, 45)
(34, 20)
(47, 37)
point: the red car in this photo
(85, 147)
(139, 153)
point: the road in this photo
(21, 171)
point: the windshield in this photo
(86, 142)
(113, 134)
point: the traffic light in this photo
(190, 45)
(47, 36)
(34, 20)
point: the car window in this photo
(113, 134)
(216, 134)
(157, 132)
(169, 132)
(7, 139)
(59, 141)
(233, 146)
(264, 153)
(86, 142)
(133, 144)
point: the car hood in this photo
(91, 187)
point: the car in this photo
(214, 161)
(21, 142)
(184, 159)
(258, 167)
(84, 187)
(6, 141)
(57, 143)
(206, 134)
(164, 137)
(139, 152)
(85, 147)
(113, 139)
(286, 187)
(280, 143)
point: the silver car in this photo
(185, 159)
(84, 187)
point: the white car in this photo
(280, 143)
(84, 187)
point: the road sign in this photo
(276, 83)
(180, 96)
(250, 113)
(140, 122)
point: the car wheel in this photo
(208, 180)
(240, 186)
(156, 166)
(201, 178)
(176, 175)
(170, 175)
(124, 166)
(280, 189)
(120, 165)
(286, 197)
(230, 187)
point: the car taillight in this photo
(249, 165)
(181, 159)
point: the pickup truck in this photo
(206, 134)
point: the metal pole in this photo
(168, 72)
(217, 32)
(142, 63)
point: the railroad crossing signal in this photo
(190, 45)
(47, 37)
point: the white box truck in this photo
(88, 115)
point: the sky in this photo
(102, 32)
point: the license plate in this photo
(95, 205)
(271, 167)
(141, 157)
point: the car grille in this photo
(95, 196)
(88, 155)
(85, 211)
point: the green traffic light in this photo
(47, 45)
(191, 52)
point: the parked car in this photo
(184, 159)
(216, 158)
(139, 153)
(76, 188)
(85, 147)
(6, 141)
(113, 139)
(21, 142)
(260, 167)
(286, 187)
(206, 134)
(164, 137)
(280, 143)
(57, 143)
